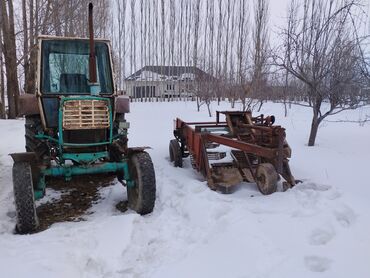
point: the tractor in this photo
(75, 125)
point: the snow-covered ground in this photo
(320, 228)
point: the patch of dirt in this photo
(78, 195)
(122, 206)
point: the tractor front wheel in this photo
(27, 220)
(175, 153)
(141, 194)
(266, 178)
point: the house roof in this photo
(171, 71)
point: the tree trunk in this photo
(233, 103)
(25, 44)
(314, 128)
(285, 109)
(10, 57)
(2, 89)
(208, 102)
(198, 104)
(260, 106)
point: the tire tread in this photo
(144, 204)
(27, 220)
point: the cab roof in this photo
(48, 37)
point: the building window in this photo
(144, 91)
(170, 87)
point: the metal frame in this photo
(60, 121)
(67, 171)
(84, 160)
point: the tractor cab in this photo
(64, 72)
(65, 67)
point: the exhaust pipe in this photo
(94, 86)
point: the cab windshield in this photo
(65, 67)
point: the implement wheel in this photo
(175, 153)
(141, 195)
(27, 220)
(266, 178)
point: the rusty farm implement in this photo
(257, 151)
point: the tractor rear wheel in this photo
(33, 127)
(141, 195)
(175, 153)
(27, 220)
(266, 178)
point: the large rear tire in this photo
(141, 196)
(266, 178)
(175, 153)
(33, 127)
(27, 220)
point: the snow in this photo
(320, 228)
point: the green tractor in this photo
(75, 125)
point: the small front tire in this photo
(266, 178)
(175, 153)
(141, 195)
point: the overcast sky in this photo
(278, 9)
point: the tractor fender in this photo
(122, 104)
(28, 105)
(133, 150)
(24, 157)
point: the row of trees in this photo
(319, 61)
(319, 57)
(217, 36)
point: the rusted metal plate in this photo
(248, 175)
(28, 105)
(24, 157)
(250, 148)
(122, 104)
(226, 178)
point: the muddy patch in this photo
(77, 196)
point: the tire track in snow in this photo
(160, 237)
(317, 199)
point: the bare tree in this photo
(322, 53)
(2, 89)
(242, 89)
(227, 44)
(121, 17)
(195, 46)
(260, 50)
(133, 37)
(25, 42)
(10, 55)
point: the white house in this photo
(163, 81)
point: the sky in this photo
(278, 10)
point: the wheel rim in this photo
(171, 154)
(266, 178)
(262, 182)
